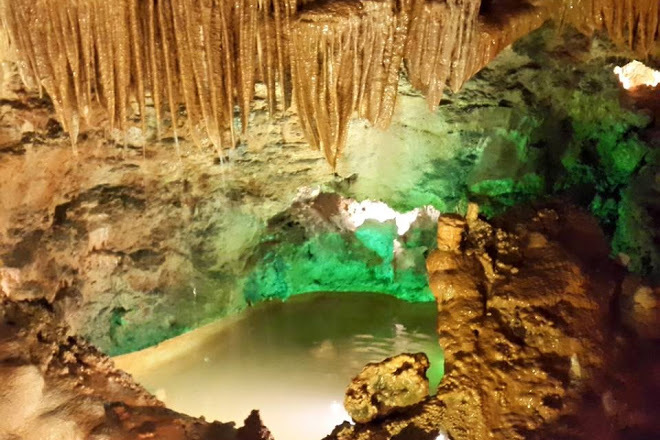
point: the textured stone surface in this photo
(520, 331)
(122, 242)
(385, 387)
(533, 348)
(54, 385)
(640, 307)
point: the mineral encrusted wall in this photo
(338, 58)
(134, 243)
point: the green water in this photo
(290, 360)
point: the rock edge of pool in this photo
(538, 326)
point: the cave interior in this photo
(337, 219)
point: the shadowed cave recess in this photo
(213, 207)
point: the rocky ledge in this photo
(539, 328)
(55, 385)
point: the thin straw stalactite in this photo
(336, 59)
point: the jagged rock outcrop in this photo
(385, 387)
(524, 319)
(55, 385)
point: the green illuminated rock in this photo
(360, 262)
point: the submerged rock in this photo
(382, 388)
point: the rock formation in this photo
(115, 240)
(385, 387)
(340, 57)
(518, 349)
(55, 385)
(524, 319)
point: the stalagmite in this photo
(338, 58)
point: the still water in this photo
(291, 360)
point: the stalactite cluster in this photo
(346, 59)
(205, 55)
(333, 58)
(634, 23)
(440, 44)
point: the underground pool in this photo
(291, 360)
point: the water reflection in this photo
(291, 360)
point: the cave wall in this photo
(138, 241)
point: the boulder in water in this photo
(384, 387)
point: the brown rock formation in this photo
(524, 319)
(521, 329)
(388, 386)
(55, 385)
(341, 57)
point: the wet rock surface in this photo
(136, 239)
(55, 385)
(521, 327)
(385, 387)
(528, 322)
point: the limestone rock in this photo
(54, 385)
(523, 333)
(450, 232)
(640, 307)
(384, 387)
(20, 394)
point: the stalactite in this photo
(346, 59)
(441, 45)
(199, 54)
(336, 58)
(634, 23)
(167, 64)
(383, 34)
(467, 12)
(429, 49)
(502, 28)
(324, 46)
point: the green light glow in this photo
(360, 262)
